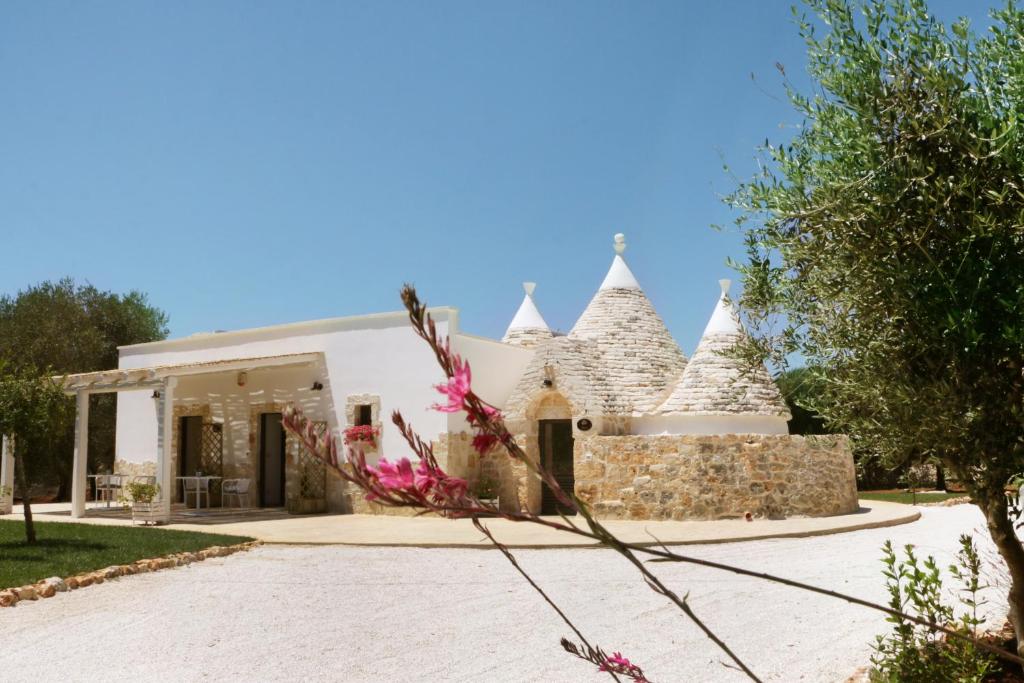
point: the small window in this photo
(364, 415)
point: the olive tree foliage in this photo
(67, 328)
(33, 409)
(886, 242)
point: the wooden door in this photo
(271, 460)
(556, 445)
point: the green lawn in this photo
(68, 549)
(905, 497)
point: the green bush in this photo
(141, 492)
(912, 652)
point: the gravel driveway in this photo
(405, 614)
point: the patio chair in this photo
(108, 487)
(198, 488)
(239, 488)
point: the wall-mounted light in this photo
(317, 386)
(549, 376)
(156, 393)
(243, 377)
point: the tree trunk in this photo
(22, 480)
(993, 504)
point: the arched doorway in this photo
(555, 449)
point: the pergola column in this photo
(79, 479)
(6, 475)
(164, 432)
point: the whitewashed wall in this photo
(496, 368)
(376, 354)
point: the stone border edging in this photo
(47, 588)
(912, 514)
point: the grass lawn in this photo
(67, 549)
(905, 497)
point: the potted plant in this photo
(141, 496)
(361, 434)
(486, 491)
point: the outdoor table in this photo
(209, 481)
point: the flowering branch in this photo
(428, 489)
(615, 663)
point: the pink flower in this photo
(456, 388)
(620, 665)
(450, 490)
(427, 477)
(484, 442)
(394, 476)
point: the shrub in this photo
(911, 652)
(141, 492)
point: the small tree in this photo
(33, 410)
(886, 244)
(68, 328)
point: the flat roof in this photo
(136, 378)
(322, 324)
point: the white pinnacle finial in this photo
(528, 287)
(620, 243)
(724, 284)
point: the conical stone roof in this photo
(717, 384)
(639, 360)
(571, 365)
(528, 327)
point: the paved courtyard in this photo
(332, 613)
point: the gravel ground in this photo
(406, 614)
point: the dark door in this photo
(190, 445)
(555, 438)
(271, 460)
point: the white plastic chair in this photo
(239, 488)
(107, 485)
(198, 488)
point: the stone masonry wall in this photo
(715, 477)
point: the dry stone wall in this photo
(715, 477)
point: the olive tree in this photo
(33, 410)
(69, 328)
(886, 243)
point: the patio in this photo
(213, 427)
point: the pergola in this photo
(162, 379)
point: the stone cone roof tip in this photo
(717, 384)
(528, 327)
(639, 359)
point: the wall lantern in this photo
(156, 393)
(583, 424)
(317, 386)
(549, 376)
(243, 377)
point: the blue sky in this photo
(263, 162)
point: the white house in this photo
(614, 408)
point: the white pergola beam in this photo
(79, 480)
(164, 432)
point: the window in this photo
(364, 415)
